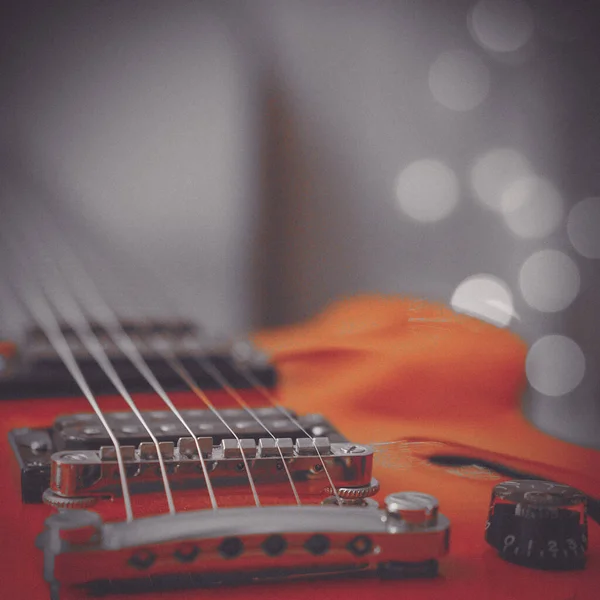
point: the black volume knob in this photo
(538, 524)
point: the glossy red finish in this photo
(379, 375)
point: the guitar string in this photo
(125, 344)
(211, 369)
(88, 295)
(278, 407)
(128, 347)
(270, 397)
(41, 312)
(220, 378)
(83, 277)
(71, 313)
(185, 375)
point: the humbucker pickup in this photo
(92, 474)
(34, 448)
(38, 372)
(243, 545)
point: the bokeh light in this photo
(549, 280)
(486, 297)
(427, 190)
(555, 365)
(501, 25)
(583, 227)
(494, 172)
(459, 80)
(532, 207)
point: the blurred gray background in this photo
(258, 160)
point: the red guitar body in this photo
(381, 370)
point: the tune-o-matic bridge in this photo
(90, 474)
(77, 433)
(243, 545)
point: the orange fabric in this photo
(387, 369)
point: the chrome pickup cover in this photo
(234, 545)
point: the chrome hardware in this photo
(187, 447)
(148, 450)
(353, 449)
(238, 544)
(271, 447)
(109, 453)
(313, 446)
(88, 473)
(413, 508)
(339, 501)
(34, 448)
(56, 501)
(356, 493)
(233, 448)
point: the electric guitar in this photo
(329, 459)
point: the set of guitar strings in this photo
(52, 298)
